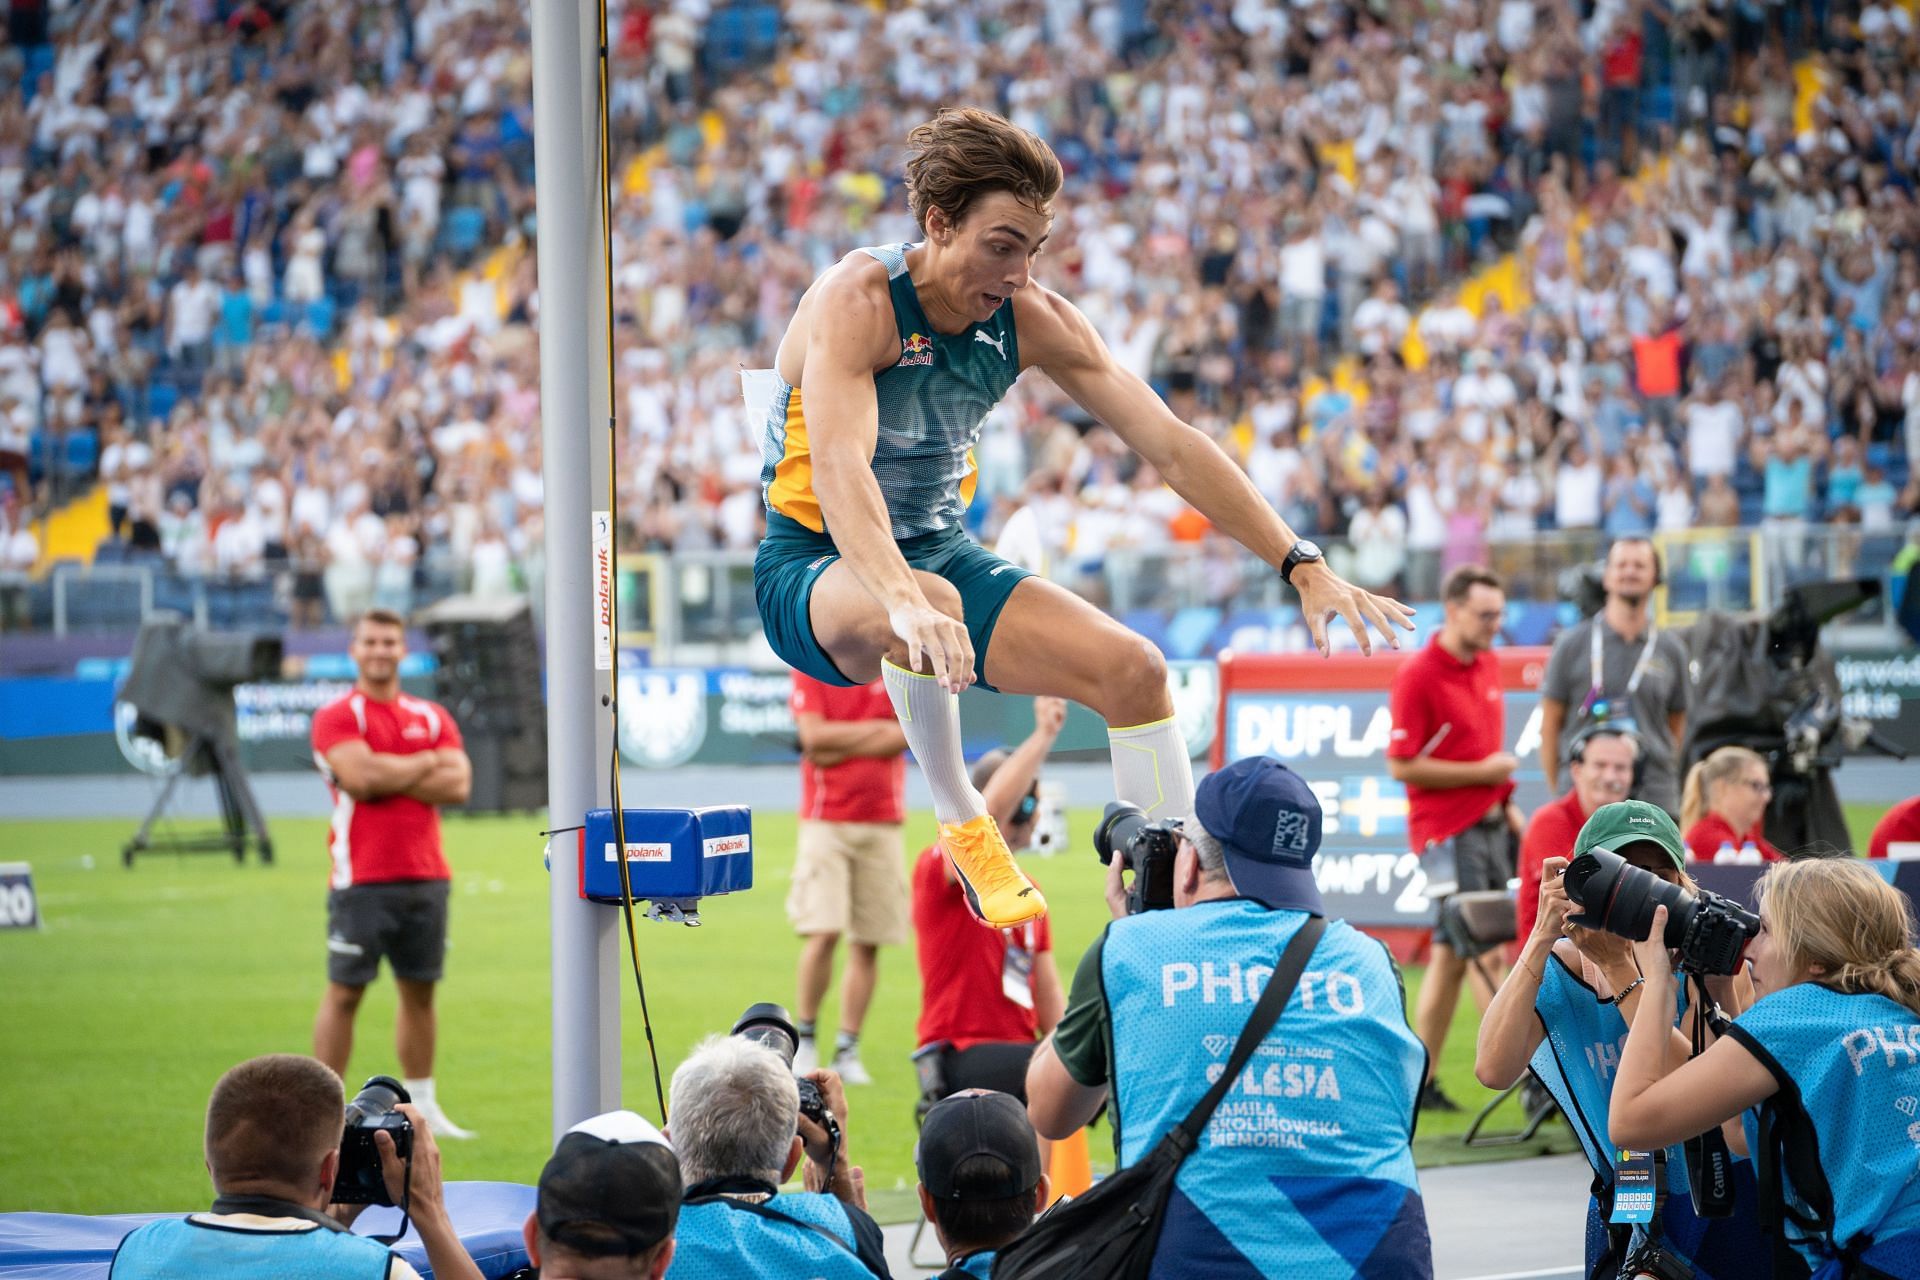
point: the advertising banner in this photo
(1884, 687)
(1327, 719)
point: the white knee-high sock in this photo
(930, 718)
(1151, 769)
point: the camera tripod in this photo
(240, 818)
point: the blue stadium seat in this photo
(173, 591)
(39, 61)
(741, 35)
(161, 397)
(83, 452)
(1656, 105)
(319, 317)
(462, 230)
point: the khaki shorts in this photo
(848, 879)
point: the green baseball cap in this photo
(1615, 826)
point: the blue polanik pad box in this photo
(672, 854)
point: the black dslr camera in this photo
(361, 1180)
(1652, 1262)
(1145, 848)
(1709, 932)
(767, 1023)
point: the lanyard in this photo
(1597, 688)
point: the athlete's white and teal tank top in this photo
(932, 402)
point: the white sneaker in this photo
(441, 1126)
(806, 1057)
(847, 1064)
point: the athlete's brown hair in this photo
(964, 153)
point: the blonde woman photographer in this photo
(1817, 1080)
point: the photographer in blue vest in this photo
(1306, 1167)
(737, 1128)
(274, 1126)
(608, 1199)
(1817, 1080)
(1563, 1013)
(981, 1184)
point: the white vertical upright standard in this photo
(573, 433)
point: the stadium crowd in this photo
(270, 276)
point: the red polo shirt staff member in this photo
(389, 758)
(1449, 726)
(847, 871)
(1600, 762)
(989, 993)
(1897, 834)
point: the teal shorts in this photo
(792, 557)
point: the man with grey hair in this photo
(739, 1133)
(1306, 1167)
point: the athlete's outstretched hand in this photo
(937, 645)
(1324, 593)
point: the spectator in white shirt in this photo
(192, 307)
(1303, 286)
(1380, 322)
(1577, 487)
(1378, 535)
(1714, 427)
(124, 457)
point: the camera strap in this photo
(1709, 1162)
(1597, 678)
(269, 1207)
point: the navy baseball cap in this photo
(978, 1122)
(612, 1187)
(1268, 820)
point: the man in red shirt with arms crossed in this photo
(989, 993)
(1449, 730)
(389, 758)
(847, 869)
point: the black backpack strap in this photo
(1784, 1138)
(1280, 988)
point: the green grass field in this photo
(146, 984)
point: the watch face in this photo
(1305, 550)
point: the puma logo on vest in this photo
(998, 344)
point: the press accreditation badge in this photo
(1016, 970)
(1633, 1190)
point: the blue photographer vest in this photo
(1852, 1062)
(1576, 1062)
(204, 1246)
(716, 1240)
(1305, 1169)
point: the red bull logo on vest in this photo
(916, 348)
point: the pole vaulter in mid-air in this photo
(894, 357)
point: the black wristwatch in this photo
(1303, 552)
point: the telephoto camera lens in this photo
(1147, 849)
(1709, 932)
(768, 1024)
(1118, 827)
